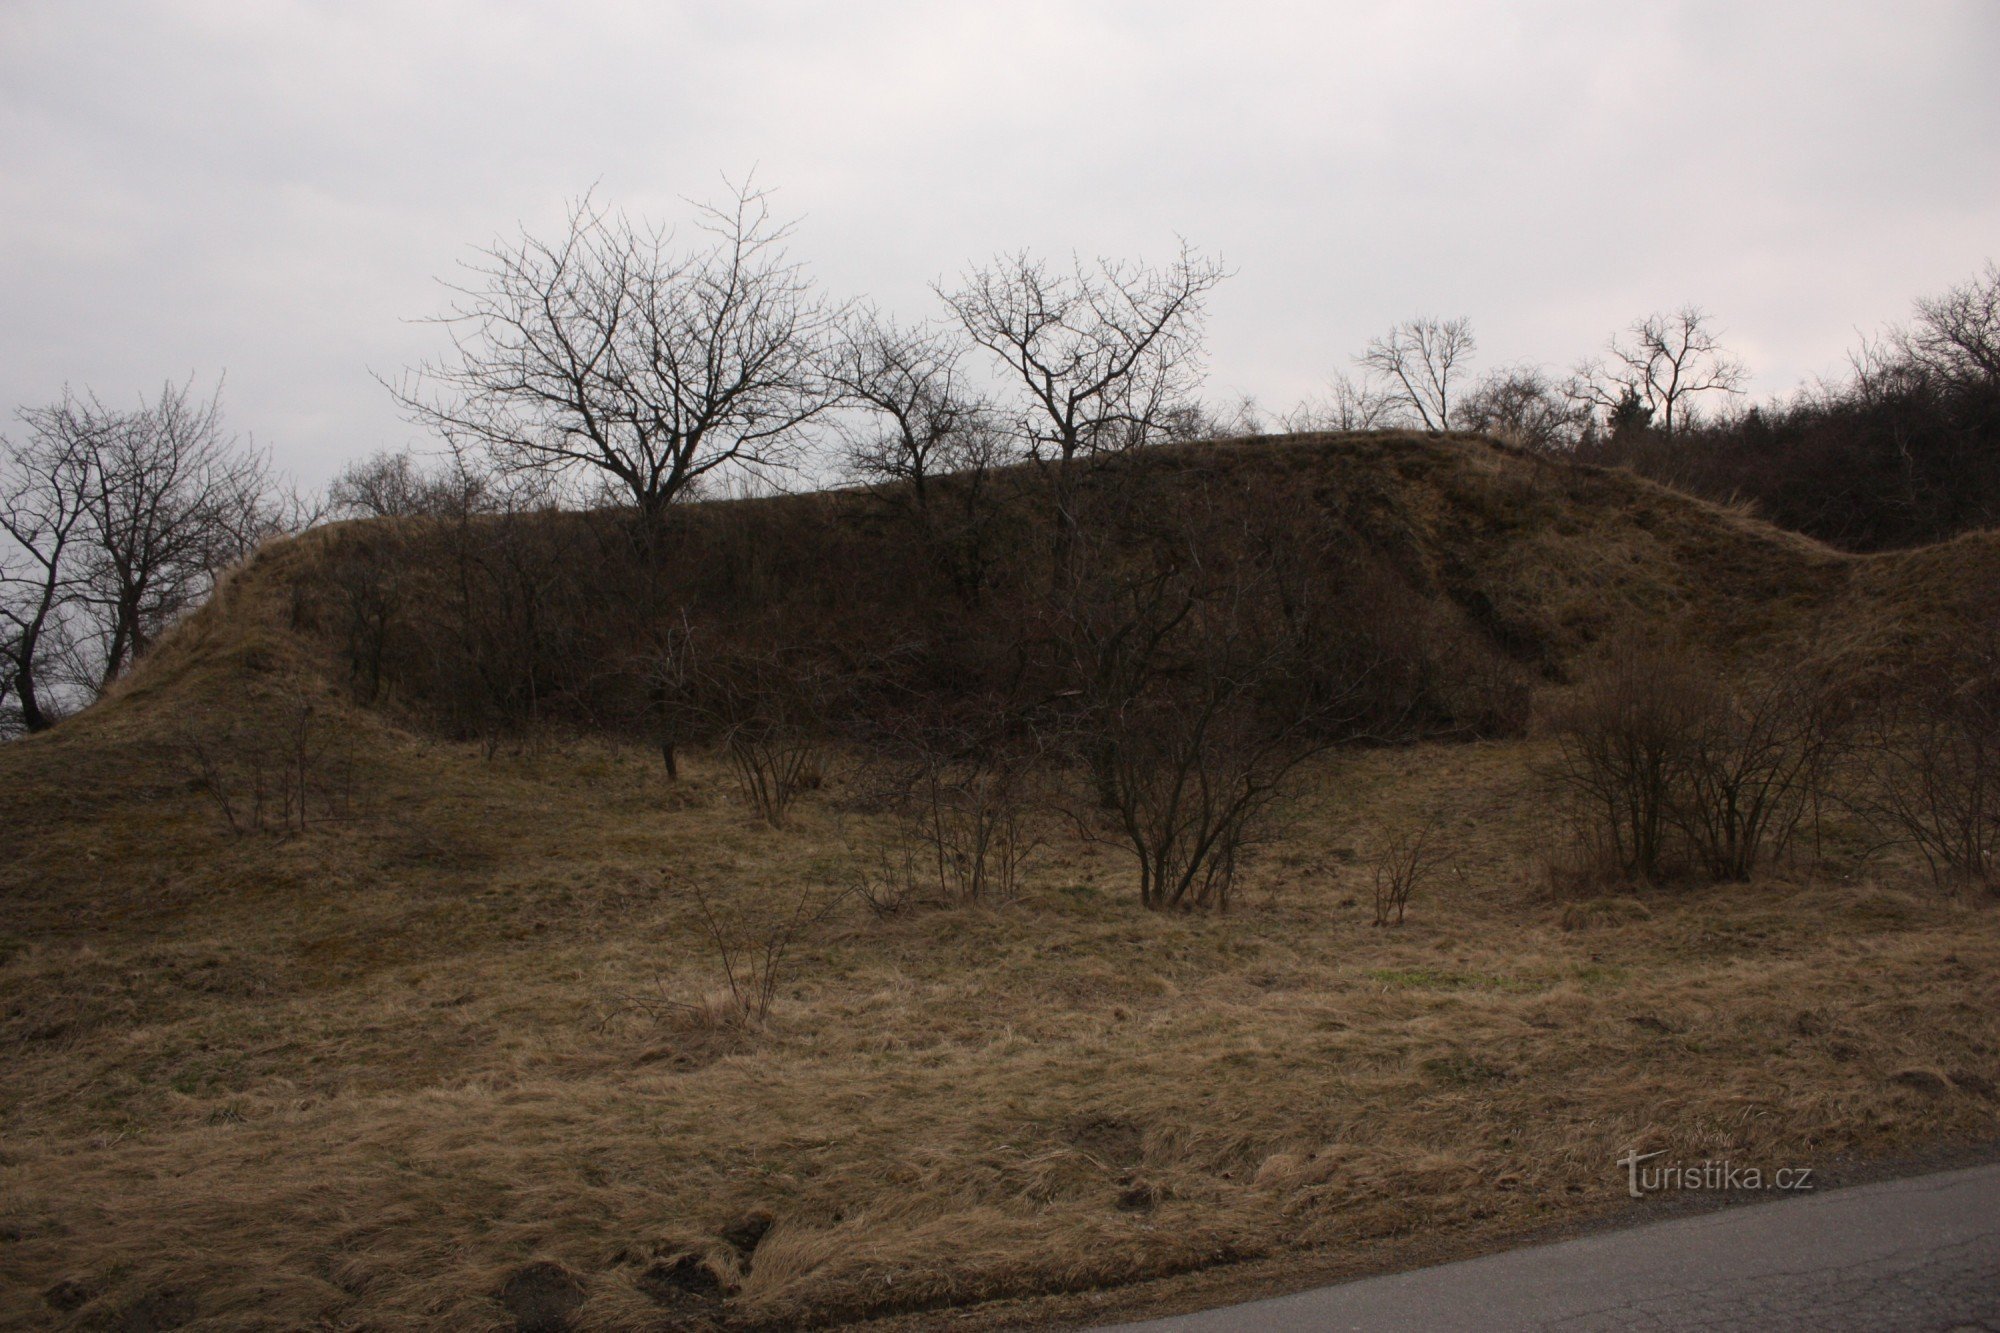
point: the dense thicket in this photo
(1904, 452)
(1868, 467)
(1196, 565)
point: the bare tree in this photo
(173, 500)
(1956, 337)
(1522, 405)
(44, 484)
(1660, 365)
(607, 349)
(11, 721)
(921, 418)
(1103, 353)
(1348, 405)
(1418, 360)
(113, 523)
(920, 421)
(399, 485)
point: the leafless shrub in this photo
(1410, 855)
(1185, 758)
(966, 798)
(754, 965)
(753, 958)
(967, 806)
(895, 881)
(399, 485)
(503, 637)
(1202, 670)
(1931, 762)
(1191, 780)
(1348, 404)
(273, 780)
(1756, 761)
(668, 669)
(366, 594)
(1578, 861)
(1622, 736)
(973, 823)
(767, 711)
(775, 761)
(1522, 406)
(1665, 759)
(770, 711)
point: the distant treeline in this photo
(1902, 451)
(1906, 453)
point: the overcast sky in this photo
(271, 189)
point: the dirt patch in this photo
(543, 1297)
(747, 1232)
(687, 1288)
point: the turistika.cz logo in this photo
(1641, 1180)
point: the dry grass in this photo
(364, 1076)
(361, 1077)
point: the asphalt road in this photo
(1919, 1253)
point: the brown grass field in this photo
(427, 1065)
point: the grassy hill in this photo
(458, 1052)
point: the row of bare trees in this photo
(1652, 376)
(113, 522)
(613, 351)
(1899, 452)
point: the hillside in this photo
(1508, 557)
(456, 1052)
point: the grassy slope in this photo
(361, 1076)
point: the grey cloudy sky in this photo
(270, 189)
